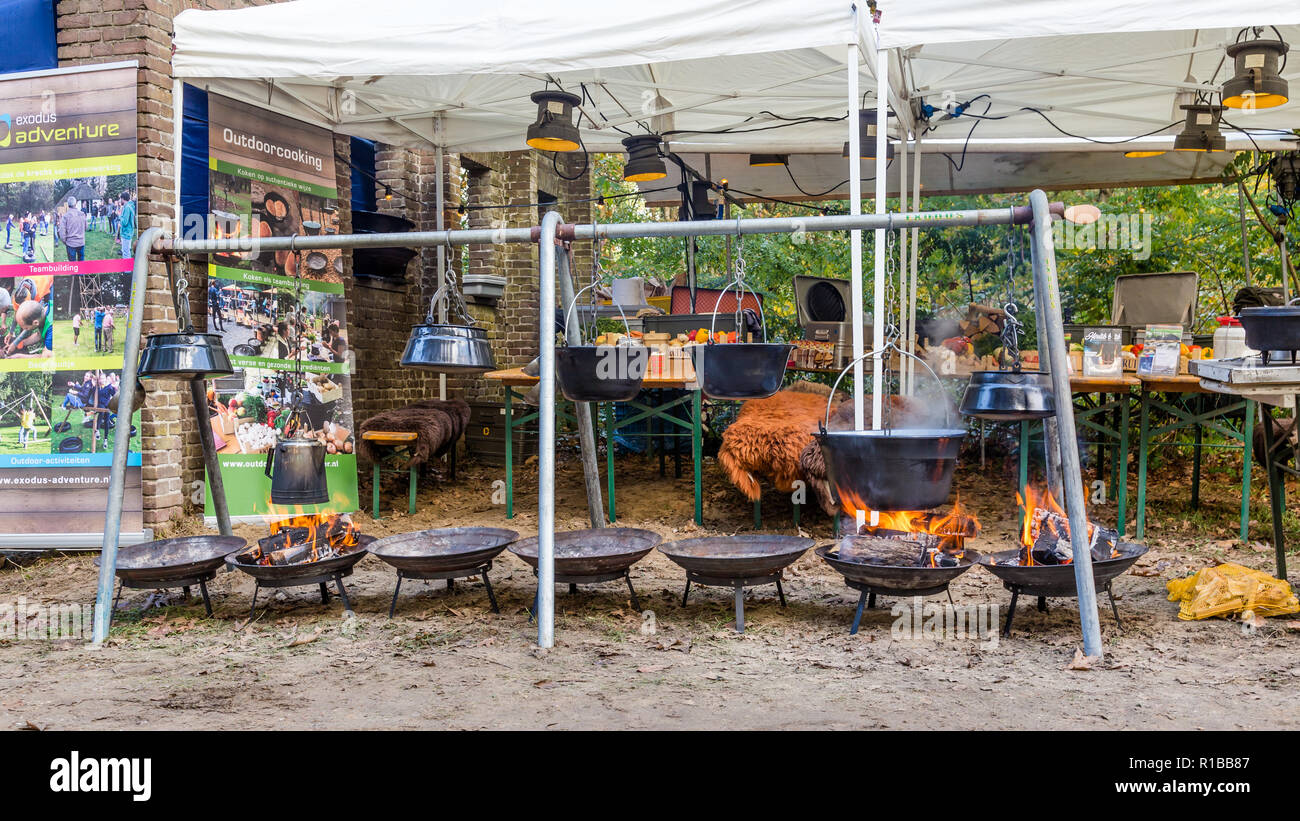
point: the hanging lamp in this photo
(554, 129)
(867, 137)
(1201, 129)
(1257, 80)
(184, 354)
(643, 161)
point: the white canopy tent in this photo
(721, 76)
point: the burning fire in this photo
(944, 535)
(307, 538)
(1044, 524)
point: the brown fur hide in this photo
(438, 423)
(767, 437)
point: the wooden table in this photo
(513, 378)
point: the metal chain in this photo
(1012, 327)
(891, 330)
(181, 295)
(449, 300)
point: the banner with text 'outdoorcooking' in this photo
(67, 230)
(277, 312)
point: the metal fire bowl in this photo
(1058, 579)
(594, 551)
(288, 575)
(902, 581)
(736, 557)
(169, 560)
(444, 550)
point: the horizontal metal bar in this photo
(1015, 215)
(412, 239)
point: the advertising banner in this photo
(277, 312)
(67, 232)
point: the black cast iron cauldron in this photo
(891, 468)
(183, 356)
(1272, 328)
(601, 373)
(448, 349)
(1009, 396)
(297, 470)
(741, 370)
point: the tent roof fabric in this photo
(720, 75)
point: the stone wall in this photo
(100, 31)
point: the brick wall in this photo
(99, 31)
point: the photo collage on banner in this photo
(68, 209)
(277, 312)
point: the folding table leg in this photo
(1144, 446)
(415, 485)
(374, 494)
(1248, 435)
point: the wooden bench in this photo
(393, 445)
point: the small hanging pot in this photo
(1009, 396)
(183, 356)
(741, 370)
(893, 468)
(600, 373)
(448, 348)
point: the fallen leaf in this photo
(301, 640)
(544, 684)
(652, 668)
(31, 725)
(1080, 661)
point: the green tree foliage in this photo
(1181, 228)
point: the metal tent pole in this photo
(1047, 297)
(546, 437)
(582, 410)
(911, 296)
(878, 316)
(1046, 364)
(855, 237)
(439, 221)
(901, 286)
(121, 444)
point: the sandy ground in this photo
(447, 662)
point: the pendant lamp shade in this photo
(1257, 81)
(554, 129)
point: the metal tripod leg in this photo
(491, 596)
(343, 594)
(740, 609)
(857, 615)
(252, 608)
(780, 592)
(207, 602)
(636, 603)
(1011, 613)
(687, 593)
(392, 608)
